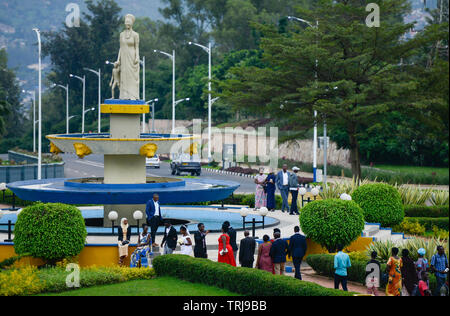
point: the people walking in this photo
(373, 274)
(264, 261)
(154, 217)
(200, 249)
(421, 263)
(225, 250)
(439, 266)
(297, 250)
(247, 251)
(186, 241)
(394, 266)
(283, 186)
(293, 188)
(232, 233)
(341, 264)
(409, 274)
(278, 253)
(124, 237)
(170, 238)
(270, 187)
(260, 195)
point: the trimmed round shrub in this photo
(332, 222)
(50, 231)
(381, 203)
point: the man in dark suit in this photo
(247, 251)
(278, 253)
(232, 234)
(297, 250)
(200, 250)
(154, 217)
(170, 238)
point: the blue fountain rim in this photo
(74, 182)
(55, 191)
(108, 135)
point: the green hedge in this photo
(51, 231)
(426, 211)
(429, 222)
(324, 265)
(239, 280)
(381, 203)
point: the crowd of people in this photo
(403, 275)
(406, 277)
(286, 182)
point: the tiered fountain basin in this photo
(85, 144)
(95, 191)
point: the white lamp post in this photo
(143, 91)
(152, 102)
(66, 87)
(315, 112)
(209, 51)
(345, 197)
(38, 33)
(138, 215)
(172, 57)
(315, 192)
(99, 75)
(176, 103)
(113, 216)
(83, 80)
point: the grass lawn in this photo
(163, 286)
(414, 169)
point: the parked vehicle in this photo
(153, 162)
(186, 163)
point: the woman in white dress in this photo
(186, 241)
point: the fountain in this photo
(125, 186)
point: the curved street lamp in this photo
(152, 102)
(38, 34)
(209, 51)
(172, 57)
(66, 87)
(83, 80)
(99, 75)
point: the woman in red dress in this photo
(225, 250)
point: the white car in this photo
(153, 162)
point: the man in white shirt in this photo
(283, 186)
(154, 218)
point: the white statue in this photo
(128, 61)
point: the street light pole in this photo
(209, 51)
(83, 80)
(153, 112)
(143, 91)
(315, 112)
(98, 73)
(66, 87)
(172, 57)
(38, 33)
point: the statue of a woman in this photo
(128, 61)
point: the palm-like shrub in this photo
(50, 231)
(331, 222)
(381, 203)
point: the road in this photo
(92, 166)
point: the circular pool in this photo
(212, 217)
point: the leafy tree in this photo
(358, 78)
(11, 112)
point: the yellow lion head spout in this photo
(148, 150)
(54, 149)
(82, 150)
(193, 149)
